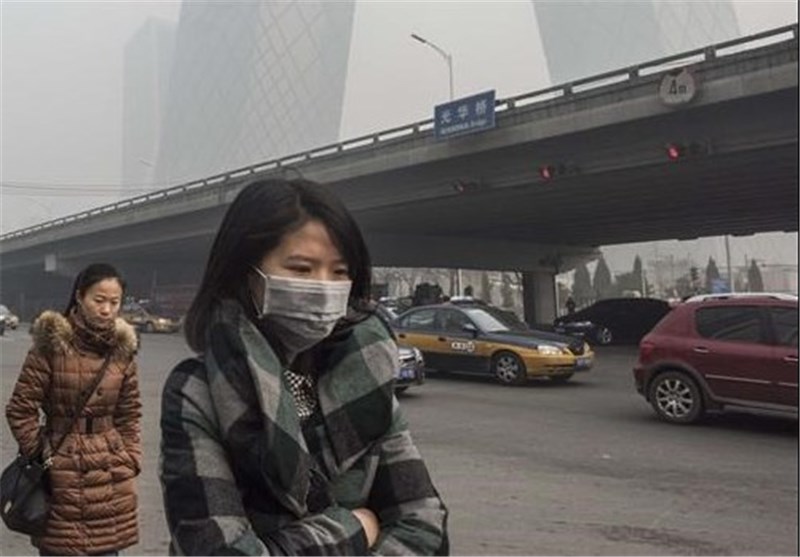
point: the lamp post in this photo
(731, 286)
(449, 59)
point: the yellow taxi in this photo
(481, 339)
(146, 321)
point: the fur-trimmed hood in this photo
(52, 331)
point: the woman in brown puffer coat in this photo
(94, 500)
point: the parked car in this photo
(387, 313)
(721, 351)
(411, 370)
(412, 365)
(726, 295)
(481, 339)
(147, 321)
(10, 320)
(614, 320)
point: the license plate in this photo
(406, 373)
(583, 363)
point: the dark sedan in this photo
(614, 320)
(412, 366)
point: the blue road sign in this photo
(463, 116)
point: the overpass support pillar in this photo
(539, 297)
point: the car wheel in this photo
(509, 369)
(603, 336)
(560, 379)
(149, 327)
(676, 398)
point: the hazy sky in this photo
(61, 83)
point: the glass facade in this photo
(688, 25)
(236, 84)
(252, 81)
(585, 38)
(146, 72)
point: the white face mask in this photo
(302, 312)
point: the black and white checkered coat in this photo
(240, 475)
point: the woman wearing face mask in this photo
(284, 436)
(94, 458)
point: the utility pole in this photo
(728, 263)
(446, 55)
(448, 58)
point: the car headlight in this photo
(417, 355)
(548, 350)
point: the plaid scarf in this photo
(97, 337)
(257, 412)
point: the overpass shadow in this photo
(756, 422)
(577, 381)
(734, 421)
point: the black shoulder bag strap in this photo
(85, 396)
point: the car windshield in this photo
(390, 312)
(493, 320)
(4, 310)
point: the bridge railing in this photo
(424, 127)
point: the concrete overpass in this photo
(480, 201)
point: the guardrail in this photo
(593, 83)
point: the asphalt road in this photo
(577, 469)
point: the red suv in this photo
(717, 351)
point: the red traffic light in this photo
(675, 151)
(556, 170)
(681, 150)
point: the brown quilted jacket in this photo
(94, 504)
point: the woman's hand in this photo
(370, 524)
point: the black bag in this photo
(25, 485)
(25, 496)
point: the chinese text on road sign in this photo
(462, 116)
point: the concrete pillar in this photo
(54, 264)
(539, 297)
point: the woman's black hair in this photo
(87, 278)
(255, 223)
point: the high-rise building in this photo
(588, 37)
(252, 81)
(146, 71)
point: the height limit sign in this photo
(677, 88)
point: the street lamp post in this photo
(449, 59)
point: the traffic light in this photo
(680, 150)
(675, 151)
(467, 185)
(550, 171)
